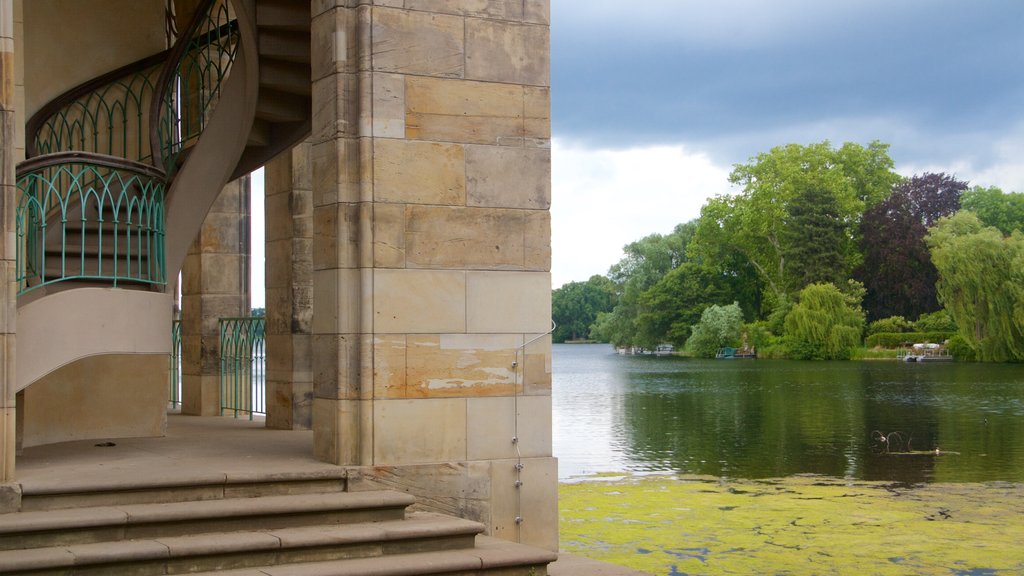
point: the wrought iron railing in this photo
(107, 115)
(190, 87)
(174, 393)
(243, 376)
(97, 219)
(92, 203)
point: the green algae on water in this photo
(798, 525)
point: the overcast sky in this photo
(654, 101)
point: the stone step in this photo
(62, 493)
(285, 45)
(22, 530)
(419, 534)
(283, 14)
(489, 556)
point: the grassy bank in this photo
(799, 525)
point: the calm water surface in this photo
(769, 418)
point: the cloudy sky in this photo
(653, 101)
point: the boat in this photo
(925, 352)
(664, 350)
(729, 353)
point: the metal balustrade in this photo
(91, 220)
(243, 376)
(92, 204)
(174, 393)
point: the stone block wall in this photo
(431, 252)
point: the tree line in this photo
(820, 247)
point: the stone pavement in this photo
(205, 447)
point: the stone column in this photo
(214, 285)
(289, 284)
(431, 190)
(11, 149)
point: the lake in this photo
(746, 419)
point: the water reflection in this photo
(759, 419)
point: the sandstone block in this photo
(496, 9)
(389, 235)
(506, 52)
(419, 431)
(461, 111)
(462, 365)
(508, 177)
(503, 302)
(491, 424)
(419, 301)
(421, 43)
(388, 105)
(464, 238)
(538, 241)
(389, 357)
(419, 172)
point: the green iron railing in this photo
(92, 203)
(93, 219)
(243, 376)
(174, 394)
(191, 87)
(109, 115)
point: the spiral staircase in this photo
(120, 174)
(122, 170)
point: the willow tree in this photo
(981, 284)
(825, 324)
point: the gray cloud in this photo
(940, 80)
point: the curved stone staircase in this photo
(264, 109)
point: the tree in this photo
(996, 208)
(825, 324)
(752, 223)
(815, 233)
(670, 307)
(575, 306)
(719, 326)
(897, 271)
(645, 263)
(981, 284)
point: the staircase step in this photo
(283, 14)
(420, 533)
(146, 521)
(285, 45)
(286, 77)
(281, 107)
(62, 494)
(260, 134)
(489, 556)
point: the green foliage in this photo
(898, 339)
(824, 325)
(719, 326)
(646, 263)
(993, 207)
(670, 307)
(575, 306)
(961, 349)
(890, 324)
(939, 321)
(981, 284)
(815, 233)
(753, 223)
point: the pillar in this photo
(214, 285)
(10, 138)
(289, 285)
(431, 254)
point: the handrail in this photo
(87, 217)
(172, 85)
(243, 343)
(39, 118)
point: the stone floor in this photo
(187, 451)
